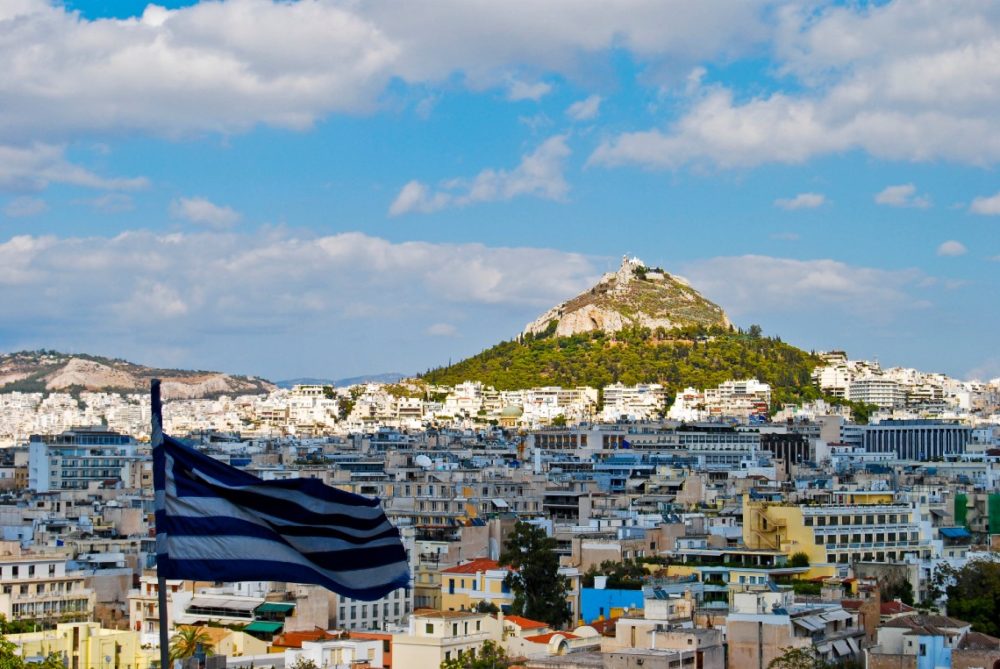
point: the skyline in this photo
(330, 189)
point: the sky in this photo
(329, 188)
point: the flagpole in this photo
(156, 411)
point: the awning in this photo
(841, 647)
(854, 645)
(836, 615)
(275, 607)
(223, 603)
(500, 504)
(263, 627)
(810, 623)
(954, 532)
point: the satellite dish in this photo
(423, 461)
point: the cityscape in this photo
(639, 334)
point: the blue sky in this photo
(331, 188)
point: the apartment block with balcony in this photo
(79, 457)
(38, 587)
(866, 528)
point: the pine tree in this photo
(539, 590)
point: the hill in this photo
(51, 371)
(637, 325)
(678, 358)
(634, 296)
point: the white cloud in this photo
(183, 287)
(228, 66)
(988, 206)
(34, 167)
(912, 81)
(203, 212)
(952, 248)
(903, 195)
(586, 109)
(520, 90)
(539, 174)
(801, 201)
(22, 207)
(442, 330)
(755, 284)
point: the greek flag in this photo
(218, 523)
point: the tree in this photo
(490, 656)
(799, 559)
(900, 589)
(539, 590)
(10, 659)
(487, 607)
(187, 641)
(798, 658)
(304, 663)
(974, 596)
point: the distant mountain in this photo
(388, 377)
(637, 325)
(304, 381)
(51, 371)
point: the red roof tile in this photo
(525, 623)
(894, 607)
(472, 566)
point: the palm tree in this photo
(185, 642)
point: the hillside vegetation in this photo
(695, 356)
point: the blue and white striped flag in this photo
(218, 523)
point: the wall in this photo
(593, 600)
(891, 661)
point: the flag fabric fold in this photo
(218, 523)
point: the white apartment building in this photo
(883, 393)
(639, 402)
(38, 587)
(76, 458)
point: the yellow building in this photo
(87, 646)
(466, 585)
(861, 526)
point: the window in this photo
(454, 629)
(429, 628)
(31, 570)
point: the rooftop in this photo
(473, 566)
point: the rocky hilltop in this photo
(637, 325)
(634, 296)
(50, 371)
